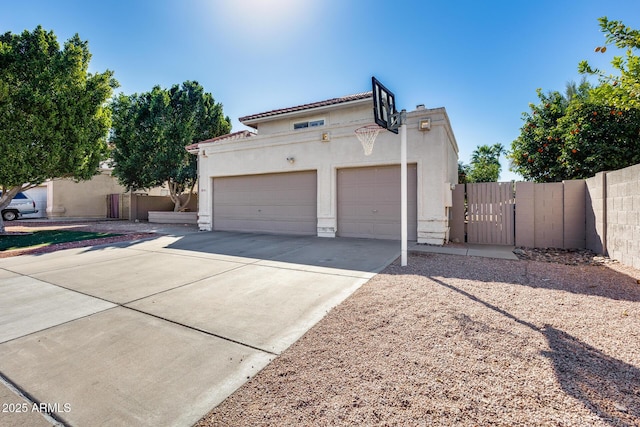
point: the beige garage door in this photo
(283, 203)
(369, 202)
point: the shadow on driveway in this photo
(338, 253)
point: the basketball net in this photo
(367, 136)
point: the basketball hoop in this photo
(367, 136)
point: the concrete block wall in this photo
(525, 214)
(623, 215)
(550, 215)
(596, 213)
(574, 214)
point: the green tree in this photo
(570, 140)
(485, 163)
(463, 172)
(151, 130)
(54, 117)
(621, 91)
(536, 151)
(597, 137)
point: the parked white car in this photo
(20, 205)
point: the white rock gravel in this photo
(461, 341)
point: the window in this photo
(17, 196)
(309, 124)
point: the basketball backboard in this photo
(384, 107)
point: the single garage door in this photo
(369, 202)
(283, 203)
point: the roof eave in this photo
(303, 112)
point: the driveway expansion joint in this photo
(201, 331)
(22, 394)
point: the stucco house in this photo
(303, 171)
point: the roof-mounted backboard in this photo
(384, 107)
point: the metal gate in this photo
(491, 213)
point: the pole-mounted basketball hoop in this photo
(367, 136)
(387, 117)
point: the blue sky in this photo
(481, 60)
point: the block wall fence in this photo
(613, 214)
(601, 213)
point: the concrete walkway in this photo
(468, 249)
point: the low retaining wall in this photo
(161, 217)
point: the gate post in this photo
(457, 232)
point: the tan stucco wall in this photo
(435, 152)
(67, 198)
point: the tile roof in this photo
(332, 101)
(230, 136)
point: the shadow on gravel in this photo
(585, 280)
(608, 387)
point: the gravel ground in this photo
(461, 341)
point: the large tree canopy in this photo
(54, 118)
(571, 140)
(621, 91)
(589, 130)
(151, 130)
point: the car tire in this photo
(9, 215)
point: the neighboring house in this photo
(66, 198)
(86, 199)
(304, 172)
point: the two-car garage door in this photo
(286, 203)
(282, 203)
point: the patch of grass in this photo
(47, 237)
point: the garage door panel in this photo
(369, 202)
(276, 203)
(387, 229)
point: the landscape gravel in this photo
(461, 341)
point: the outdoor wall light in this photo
(425, 124)
(291, 159)
(326, 137)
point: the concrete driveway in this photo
(161, 331)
